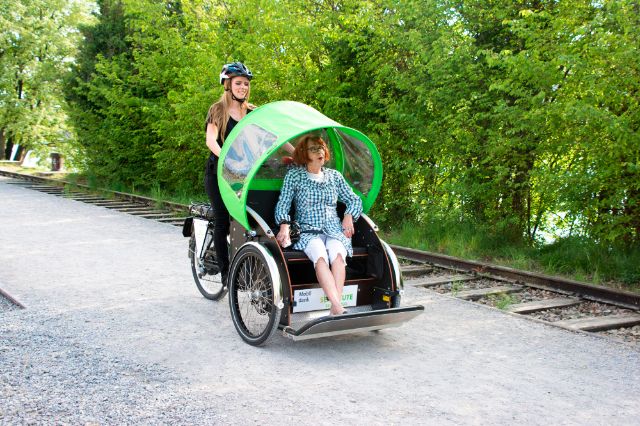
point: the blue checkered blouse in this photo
(315, 204)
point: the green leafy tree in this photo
(141, 91)
(37, 46)
(516, 117)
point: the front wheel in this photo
(206, 273)
(251, 296)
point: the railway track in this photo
(557, 301)
(148, 208)
(553, 300)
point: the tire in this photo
(251, 297)
(209, 282)
(395, 301)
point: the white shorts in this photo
(325, 247)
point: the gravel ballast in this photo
(115, 332)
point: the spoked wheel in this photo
(206, 273)
(251, 296)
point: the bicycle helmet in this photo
(234, 69)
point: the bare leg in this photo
(327, 282)
(338, 270)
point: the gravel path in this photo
(115, 332)
(55, 373)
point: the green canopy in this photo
(251, 157)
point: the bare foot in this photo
(339, 311)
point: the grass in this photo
(503, 300)
(456, 286)
(575, 258)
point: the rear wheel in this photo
(206, 272)
(251, 296)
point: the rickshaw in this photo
(271, 287)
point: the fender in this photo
(186, 227)
(395, 264)
(200, 233)
(273, 269)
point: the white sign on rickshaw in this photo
(314, 299)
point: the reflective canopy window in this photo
(358, 163)
(275, 168)
(244, 152)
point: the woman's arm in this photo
(212, 136)
(349, 198)
(289, 148)
(285, 200)
(282, 209)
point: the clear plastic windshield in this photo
(244, 152)
(358, 162)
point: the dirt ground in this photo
(116, 290)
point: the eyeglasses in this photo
(316, 148)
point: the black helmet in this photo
(234, 69)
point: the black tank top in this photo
(231, 123)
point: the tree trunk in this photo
(2, 145)
(8, 148)
(21, 153)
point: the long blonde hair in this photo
(219, 112)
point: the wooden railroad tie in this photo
(542, 305)
(446, 279)
(483, 292)
(602, 323)
(415, 270)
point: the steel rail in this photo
(594, 292)
(11, 299)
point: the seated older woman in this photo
(315, 191)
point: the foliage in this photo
(519, 120)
